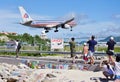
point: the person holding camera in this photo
(110, 50)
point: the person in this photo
(72, 48)
(92, 42)
(116, 65)
(107, 69)
(17, 47)
(110, 50)
(85, 53)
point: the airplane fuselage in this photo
(47, 24)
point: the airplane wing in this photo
(68, 21)
(65, 22)
(63, 25)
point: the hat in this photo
(111, 38)
(85, 43)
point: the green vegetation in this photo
(36, 43)
(28, 38)
(117, 49)
(103, 48)
(98, 48)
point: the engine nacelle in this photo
(66, 26)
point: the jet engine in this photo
(65, 26)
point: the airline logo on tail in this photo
(25, 16)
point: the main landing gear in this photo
(46, 31)
(71, 28)
(56, 30)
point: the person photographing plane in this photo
(17, 47)
(92, 42)
(110, 50)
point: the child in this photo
(85, 53)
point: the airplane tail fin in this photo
(25, 16)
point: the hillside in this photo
(116, 38)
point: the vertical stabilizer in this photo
(25, 16)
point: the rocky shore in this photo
(35, 71)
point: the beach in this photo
(48, 72)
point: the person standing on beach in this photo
(17, 47)
(72, 48)
(110, 50)
(91, 49)
(85, 53)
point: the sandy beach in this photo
(23, 73)
(73, 75)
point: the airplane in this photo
(46, 24)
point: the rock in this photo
(1, 80)
(11, 80)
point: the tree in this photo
(27, 38)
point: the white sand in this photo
(73, 75)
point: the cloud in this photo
(101, 28)
(86, 26)
(116, 16)
(9, 21)
(109, 28)
(109, 31)
(7, 14)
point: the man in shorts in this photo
(91, 49)
(110, 50)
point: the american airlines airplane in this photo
(46, 24)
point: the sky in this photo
(96, 17)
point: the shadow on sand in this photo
(99, 79)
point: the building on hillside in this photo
(43, 35)
(7, 33)
(10, 44)
(102, 44)
(4, 38)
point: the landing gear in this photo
(71, 29)
(46, 31)
(55, 30)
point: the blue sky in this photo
(96, 17)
